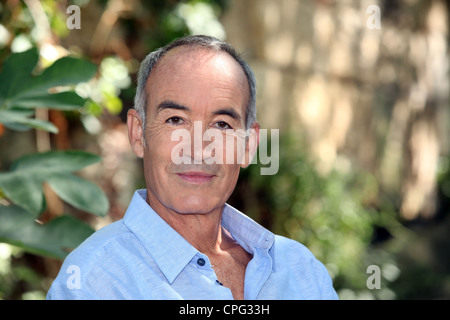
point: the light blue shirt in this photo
(142, 257)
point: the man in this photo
(179, 239)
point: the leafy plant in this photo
(22, 184)
(21, 92)
(52, 239)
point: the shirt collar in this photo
(248, 233)
(170, 251)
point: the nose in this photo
(197, 143)
(195, 152)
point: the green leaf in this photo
(65, 71)
(23, 185)
(56, 161)
(19, 120)
(54, 239)
(24, 190)
(19, 88)
(37, 124)
(66, 101)
(80, 193)
(16, 68)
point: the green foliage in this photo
(23, 184)
(54, 239)
(67, 85)
(22, 90)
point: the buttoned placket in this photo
(204, 266)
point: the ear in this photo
(251, 144)
(135, 132)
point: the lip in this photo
(195, 177)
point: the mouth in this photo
(196, 177)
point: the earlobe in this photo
(135, 132)
(251, 144)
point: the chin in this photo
(196, 205)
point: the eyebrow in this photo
(228, 112)
(171, 105)
(224, 111)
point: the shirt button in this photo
(201, 262)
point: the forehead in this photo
(195, 67)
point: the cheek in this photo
(234, 149)
(158, 139)
(228, 183)
(157, 153)
(231, 175)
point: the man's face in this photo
(192, 91)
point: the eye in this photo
(222, 125)
(174, 120)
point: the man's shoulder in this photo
(292, 247)
(102, 242)
(295, 259)
(298, 255)
(89, 261)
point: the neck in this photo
(203, 231)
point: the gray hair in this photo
(196, 41)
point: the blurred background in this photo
(360, 97)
